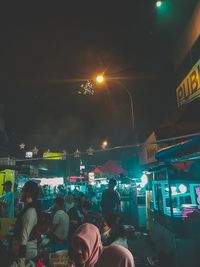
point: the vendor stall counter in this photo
(174, 216)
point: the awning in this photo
(182, 151)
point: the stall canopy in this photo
(185, 120)
(180, 151)
(98, 170)
(111, 167)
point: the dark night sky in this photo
(43, 45)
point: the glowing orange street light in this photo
(104, 144)
(100, 79)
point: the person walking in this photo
(110, 201)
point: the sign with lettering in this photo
(189, 89)
(52, 155)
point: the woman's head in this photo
(86, 245)
(115, 255)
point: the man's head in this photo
(7, 186)
(59, 203)
(112, 183)
(29, 192)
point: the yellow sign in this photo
(53, 155)
(189, 89)
(6, 175)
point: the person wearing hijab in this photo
(116, 256)
(86, 245)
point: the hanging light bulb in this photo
(77, 154)
(35, 150)
(90, 151)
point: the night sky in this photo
(45, 45)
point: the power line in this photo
(138, 145)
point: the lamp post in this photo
(100, 80)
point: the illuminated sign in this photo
(197, 191)
(189, 89)
(91, 177)
(52, 155)
(29, 154)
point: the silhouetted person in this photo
(110, 201)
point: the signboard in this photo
(52, 156)
(6, 175)
(189, 89)
(197, 191)
(29, 154)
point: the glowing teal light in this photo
(144, 180)
(158, 3)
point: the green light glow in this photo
(158, 3)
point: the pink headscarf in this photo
(90, 235)
(116, 256)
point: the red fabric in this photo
(184, 166)
(97, 170)
(73, 179)
(112, 166)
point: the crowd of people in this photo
(93, 235)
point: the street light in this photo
(100, 79)
(104, 144)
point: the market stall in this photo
(174, 205)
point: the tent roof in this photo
(112, 166)
(97, 170)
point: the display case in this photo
(174, 204)
(177, 198)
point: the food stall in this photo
(174, 205)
